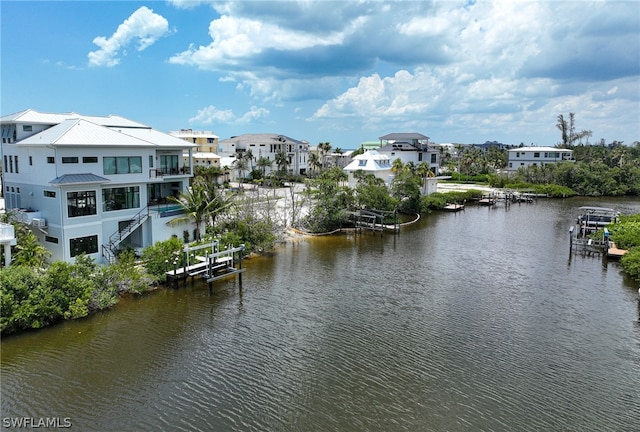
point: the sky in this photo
(342, 72)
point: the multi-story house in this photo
(369, 162)
(412, 148)
(267, 145)
(522, 157)
(206, 153)
(90, 184)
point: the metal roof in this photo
(262, 138)
(156, 138)
(36, 117)
(69, 179)
(85, 133)
(404, 136)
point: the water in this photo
(480, 321)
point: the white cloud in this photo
(144, 25)
(210, 114)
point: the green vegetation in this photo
(626, 235)
(32, 299)
(438, 200)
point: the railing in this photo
(157, 172)
(108, 250)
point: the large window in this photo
(169, 164)
(69, 159)
(82, 245)
(120, 198)
(122, 165)
(81, 203)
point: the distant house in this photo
(412, 148)
(268, 146)
(91, 184)
(523, 157)
(206, 153)
(370, 162)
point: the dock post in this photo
(240, 265)
(175, 275)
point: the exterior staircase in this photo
(109, 249)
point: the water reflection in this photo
(479, 320)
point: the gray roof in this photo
(404, 136)
(264, 138)
(69, 179)
(36, 117)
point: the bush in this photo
(155, 257)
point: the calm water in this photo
(476, 321)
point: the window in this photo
(6, 165)
(420, 157)
(51, 159)
(210, 140)
(50, 194)
(69, 159)
(27, 128)
(434, 158)
(30, 160)
(90, 159)
(122, 165)
(51, 239)
(150, 161)
(536, 154)
(82, 245)
(10, 163)
(120, 198)
(169, 164)
(362, 162)
(81, 203)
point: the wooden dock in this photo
(213, 265)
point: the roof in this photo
(82, 132)
(544, 149)
(404, 136)
(69, 179)
(36, 117)
(156, 138)
(374, 162)
(262, 138)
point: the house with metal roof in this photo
(411, 147)
(91, 184)
(370, 162)
(522, 157)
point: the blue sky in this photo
(343, 72)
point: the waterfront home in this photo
(267, 146)
(523, 157)
(412, 148)
(206, 153)
(371, 162)
(92, 184)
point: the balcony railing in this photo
(163, 172)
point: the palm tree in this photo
(397, 166)
(282, 161)
(240, 165)
(424, 171)
(248, 156)
(203, 202)
(325, 148)
(264, 163)
(314, 162)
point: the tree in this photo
(424, 171)
(282, 162)
(325, 148)
(240, 165)
(314, 162)
(201, 204)
(264, 163)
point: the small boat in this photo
(453, 207)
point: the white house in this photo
(371, 162)
(523, 157)
(89, 184)
(412, 148)
(267, 145)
